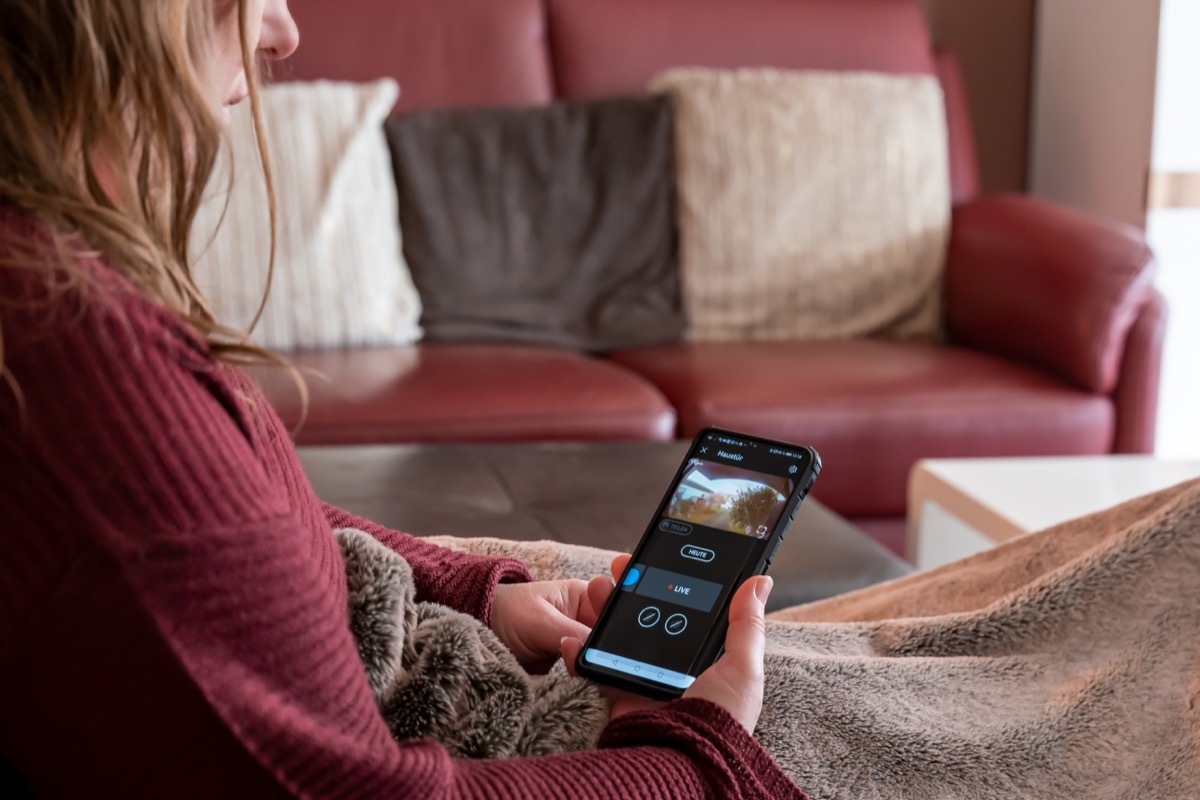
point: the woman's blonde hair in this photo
(108, 138)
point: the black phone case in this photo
(714, 642)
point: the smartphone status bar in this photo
(775, 451)
(728, 441)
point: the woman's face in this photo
(270, 30)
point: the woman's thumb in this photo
(746, 636)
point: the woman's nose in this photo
(280, 36)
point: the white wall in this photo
(1093, 104)
(1175, 233)
(1177, 102)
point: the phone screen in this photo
(731, 500)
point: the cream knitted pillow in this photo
(340, 277)
(811, 205)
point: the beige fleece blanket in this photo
(1064, 664)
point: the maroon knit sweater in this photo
(173, 615)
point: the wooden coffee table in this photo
(598, 494)
(960, 506)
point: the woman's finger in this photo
(618, 565)
(570, 651)
(598, 590)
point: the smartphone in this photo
(721, 522)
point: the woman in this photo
(173, 613)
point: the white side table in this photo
(960, 506)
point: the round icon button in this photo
(649, 617)
(633, 577)
(676, 624)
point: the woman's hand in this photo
(735, 682)
(531, 619)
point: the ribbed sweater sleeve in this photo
(174, 624)
(462, 581)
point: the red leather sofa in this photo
(1054, 329)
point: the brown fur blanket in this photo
(1064, 664)
(438, 674)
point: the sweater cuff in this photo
(471, 589)
(732, 761)
(462, 581)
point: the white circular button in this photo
(649, 617)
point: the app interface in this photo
(717, 519)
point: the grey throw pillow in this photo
(550, 225)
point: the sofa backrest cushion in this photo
(964, 165)
(616, 46)
(449, 53)
(550, 225)
(603, 47)
(443, 53)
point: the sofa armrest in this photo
(1047, 286)
(1136, 395)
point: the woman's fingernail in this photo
(762, 589)
(562, 641)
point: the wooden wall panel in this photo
(1095, 70)
(994, 41)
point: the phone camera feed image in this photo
(730, 498)
(712, 530)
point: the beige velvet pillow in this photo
(340, 278)
(812, 205)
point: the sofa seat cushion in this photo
(872, 407)
(464, 393)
